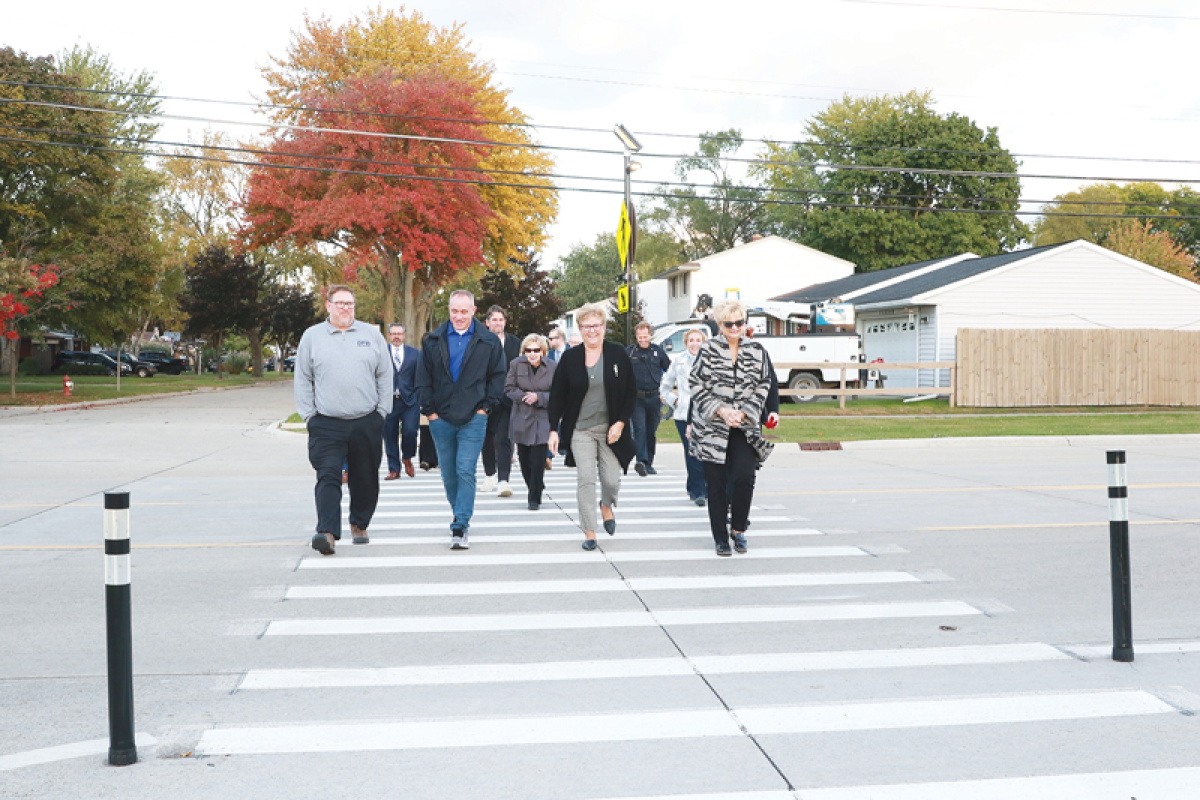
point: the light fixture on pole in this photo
(631, 145)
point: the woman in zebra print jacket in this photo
(729, 382)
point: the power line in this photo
(811, 203)
(949, 7)
(583, 129)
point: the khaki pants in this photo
(592, 453)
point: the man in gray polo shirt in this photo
(343, 391)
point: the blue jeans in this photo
(458, 448)
(647, 413)
(695, 470)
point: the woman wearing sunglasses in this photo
(593, 396)
(730, 382)
(528, 386)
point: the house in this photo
(913, 312)
(752, 271)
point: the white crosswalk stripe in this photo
(697, 534)
(531, 519)
(477, 559)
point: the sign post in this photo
(627, 231)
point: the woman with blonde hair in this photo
(528, 386)
(678, 396)
(591, 401)
(730, 382)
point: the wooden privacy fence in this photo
(851, 371)
(1061, 367)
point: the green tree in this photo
(884, 157)
(715, 215)
(1090, 213)
(588, 273)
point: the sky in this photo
(1095, 90)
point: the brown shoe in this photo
(359, 534)
(323, 543)
(345, 476)
(391, 476)
(408, 468)
(549, 463)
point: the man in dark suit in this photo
(497, 447)
(406, 405)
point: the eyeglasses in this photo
(730, 324)
(591, 327)
(341, 304)
(533, 349)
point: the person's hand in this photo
(530, 398)
(687, 432)
(552, 443)
(731, 417)
(772, 419)
(431, 417)
(614, 433)
(481, 411)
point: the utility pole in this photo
(631, 146)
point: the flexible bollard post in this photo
(1118, 549)
(121, 747)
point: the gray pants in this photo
(592, 453)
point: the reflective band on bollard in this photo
(1118, 549)
(121, 747)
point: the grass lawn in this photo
(47, 389)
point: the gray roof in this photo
(851, 283)
(945, 276)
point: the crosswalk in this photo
(676, 648)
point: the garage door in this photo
(894, 339)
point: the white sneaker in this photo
(505, 489)
(488, 484)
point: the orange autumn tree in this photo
(324, 54)
(381, 173)
(1157, 248)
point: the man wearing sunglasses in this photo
(649, 363)
(343, 392)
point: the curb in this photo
(20, 411)
(949, 443)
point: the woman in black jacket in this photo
(591, 401)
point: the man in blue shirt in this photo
(460, 377)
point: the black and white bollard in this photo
(121, 747)
(1118, 548)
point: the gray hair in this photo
(395, 325)
(593, 310)
(727, 308)
(463, 293)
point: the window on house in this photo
(684, 285)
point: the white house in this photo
(755, 270)
(913, 312)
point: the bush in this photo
(235, 364)
(29, 368)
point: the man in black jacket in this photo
(649, 363)
(461, 380)
(497, 447)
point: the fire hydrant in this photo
(68, 385)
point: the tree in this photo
(386, 208)
(527, 297)
(720, 215)
(293, 311)
(1090, 213)
(327, 55)
(225, 293)
(27, 293)
(868, 154)
(588, 273)
(1156, 248)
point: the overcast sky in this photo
(1112, 79)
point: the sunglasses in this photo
(730, 324)
(533, 349)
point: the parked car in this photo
(289, 364)
(143, 369)
(70, 359)
(163, 362)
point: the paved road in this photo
(925, 621)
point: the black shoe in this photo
(534, 506)
(739, 542)
(700, 501)
(723, 550)
(650, 468)
(640, 469)
(589, 544)
(610, 525)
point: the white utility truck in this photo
(791, 333)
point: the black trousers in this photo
(357, 443)
(497, 447)
(427, 450)
(533, 468)
(739, 471)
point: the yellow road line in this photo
(1055, 525)
(148, 546)
(1093, 487)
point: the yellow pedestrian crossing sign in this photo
(624, 234)
(622, 299)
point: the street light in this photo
(631, 145)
